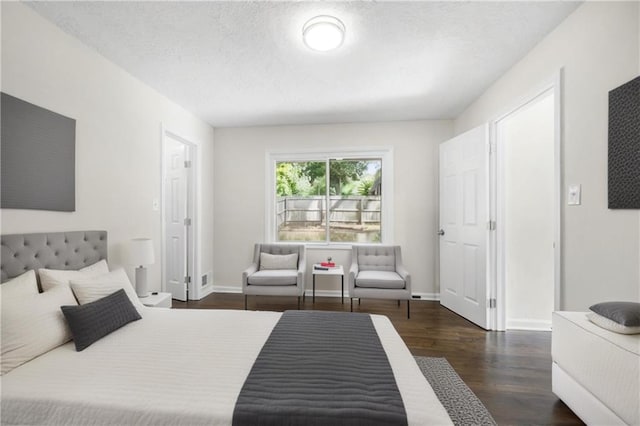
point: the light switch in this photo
(156, 205)
(574, 195)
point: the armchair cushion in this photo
(379, 279)
(278, 261)
(376, 258)
(274, 277)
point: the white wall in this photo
(529, 219)
(598, 47)
(118, 136)
(239, 175)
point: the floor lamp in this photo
(141, 254)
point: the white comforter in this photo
(174, 367)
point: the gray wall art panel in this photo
(624, 146)
(38, 157)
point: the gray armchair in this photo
(275, 271)
(377, 272)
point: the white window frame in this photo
(386, 208)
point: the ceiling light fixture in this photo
(323, 33)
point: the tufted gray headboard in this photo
(55, 250)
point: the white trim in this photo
(427, 296)
(385, 153)
(193, 208)
(326, 293)
(493, 291)
(336, 293)
(327, 201)
(205, 291)
(558, 183)
(226, 289)
(499, 314)
(488, 154)
(528, 324)
(320, 293)
(333, 246)
(497, 286)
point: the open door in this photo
(177, 221)
(464, 224)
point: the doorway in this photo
(178, 213)
(527, 213)
(500, 216)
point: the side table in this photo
(335, 271)
(159, 300)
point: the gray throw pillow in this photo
(92, 321)
(278, 261)
(624, 313)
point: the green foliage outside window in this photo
(346, 177)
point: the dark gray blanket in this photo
(321, 368)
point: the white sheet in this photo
(606, 364)
(174, 367)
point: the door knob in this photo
(441, 232)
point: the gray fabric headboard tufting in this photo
(55, 250)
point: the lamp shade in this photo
(140, 252)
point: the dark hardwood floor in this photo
(509, 371)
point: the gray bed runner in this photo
(321, 368)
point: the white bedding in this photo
(606, 364)
(174, 367)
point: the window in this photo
(328, 200)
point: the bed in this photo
(596, 372)
(194, 366)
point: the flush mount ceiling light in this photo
(323, 33)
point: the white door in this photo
(176, 215)
(464, 215)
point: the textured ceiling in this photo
(244, 63)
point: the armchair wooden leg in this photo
(408, 309)
(359, 299)
(298, 302)
(351, 298)
(245, 302)
(398, 302)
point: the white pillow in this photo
(33, 325)
(611, 325)
(49, 278)
(278, 261)
(91, 289)
(20, 286)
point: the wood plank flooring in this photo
(509, 371)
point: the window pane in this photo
(355, 188)
(300, 201)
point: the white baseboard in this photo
(321, 293)
(325, 293)
(204, 292)
(427, 296)
(528, 324)
(226, 289)
(336, 293)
